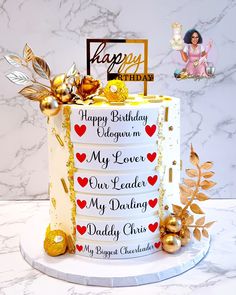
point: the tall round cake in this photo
(114, 173)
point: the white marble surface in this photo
(215, 274)
(57, 30)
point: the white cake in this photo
(114, 173)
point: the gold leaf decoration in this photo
(209, 224)
(72, 71)
(13, 60)
(190, 182)
(191, 172)
(200, 221)
(28, 53)
(205, 184)
(197, 234)
(35, 92)
(18, 78)
(205, 233)
(189, 220)
(70, 244)
(201, 197)
(41, 67)
(208, 174)
(185, 190)
(196, 209)
(183, 199)
(177, 210)
(194, 159)
(207, 165)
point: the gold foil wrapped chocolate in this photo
(116, 91)
(55, 242)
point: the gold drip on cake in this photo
(71, 170)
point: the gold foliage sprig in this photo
(190, 192)
(64, 88)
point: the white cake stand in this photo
(109, 273)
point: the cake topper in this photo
(121, 65)
(193, 53)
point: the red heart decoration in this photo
(152, 179)
(80, 130)
(79, 247)
(157, 245)
(82, 181)
(151, 157)
(81, 229)
(81, 157)
(81, 204)
(150, 130)
(153, 227)
(152, 203)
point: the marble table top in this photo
(215, 274)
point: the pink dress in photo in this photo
(193, 55)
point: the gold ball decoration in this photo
(184, 236)
(63, 93)
(49, 106)
(171, 243)
(116, 91)
(173, 223)
(55, 243)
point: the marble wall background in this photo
(57, 30)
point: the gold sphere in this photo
(63, 93)
(173, 223)
(171, 243)
(55, 243)
(57, 81)
(184, 236)
(49, 106)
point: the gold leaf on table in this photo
(206, 184)
(18, 78)
(201, 197)
(209, 224)
(13, 60)
(208, 174)
(205, 233)
(191, 172)
(177, 209)
(189, 220)
(35, 92)
(196, 209)
(190, 182)
(207, 165)
(200, 221)
(41, 67)
(197, 234)
(183, 199)
(194, 159)
(28, 53)
(185, 190)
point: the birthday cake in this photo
(114, 173)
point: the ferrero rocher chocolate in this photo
(55, 242)
(116, 91)
(49, 106)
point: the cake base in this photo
(109, 273)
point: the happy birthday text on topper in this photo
(128, 64)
